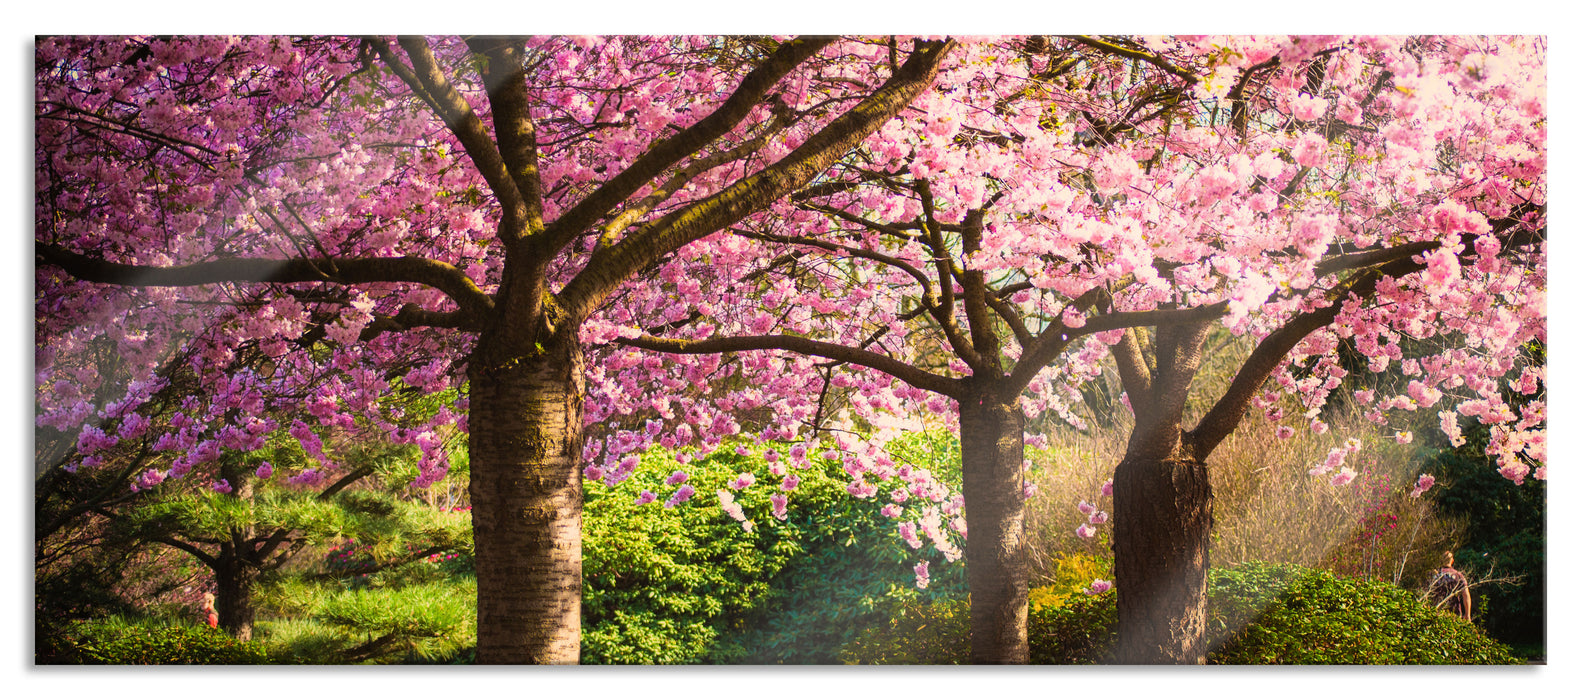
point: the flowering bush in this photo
(690, 584)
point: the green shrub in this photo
(691, 585)
(122, 641)
(1319, 618)
(855, 572)
(1257, 614)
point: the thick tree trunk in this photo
(1163, 511)
(991, 466)
(525, 425)
(233, 597)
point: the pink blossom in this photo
(742, 481)
(675, 477)
(680, 496)
(1099, 586)
(1108, 488)
(646, 497)
(221, 486)
(922, 574)
(1099, 518)
(790, 482)
(1284, 432)
(264, 471)
(1424, 483)
(891, 511)
(1085, 508)
(778, 505)
(1343, 477)
(1086, 531)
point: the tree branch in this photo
(350, 271)
(900, 370)
(610, 267)
(504, 75)
(668, 152)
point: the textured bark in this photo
(233, 598)
(991, 466)
(525, 440)
(1163, 511)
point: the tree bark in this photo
(525, 437)
(991, 467)
(1163, 512)
(233, 597)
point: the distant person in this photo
(1450, 591)
(211, 617)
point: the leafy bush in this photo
(1257, 614)
(1318, 618)
(854, 572)
(692, 585)
(124, 641)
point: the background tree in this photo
(1072, 193)
(474, 202)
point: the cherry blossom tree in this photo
(361, 216)
(1058, 201)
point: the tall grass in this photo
(1267, 507)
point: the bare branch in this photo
(919, 378)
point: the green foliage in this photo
(855, 571)
(419, 622)
(145, 640)
(917, 635)
(1318, 618)
(691, 585)
(1257, 614)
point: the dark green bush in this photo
(1505, 538)
(121, 642)
(1257, 614)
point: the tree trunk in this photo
(991, 468)
(525, 437)
(233, 597)
(1163, 511)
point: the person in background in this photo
(211, 616)
(1449, 590)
